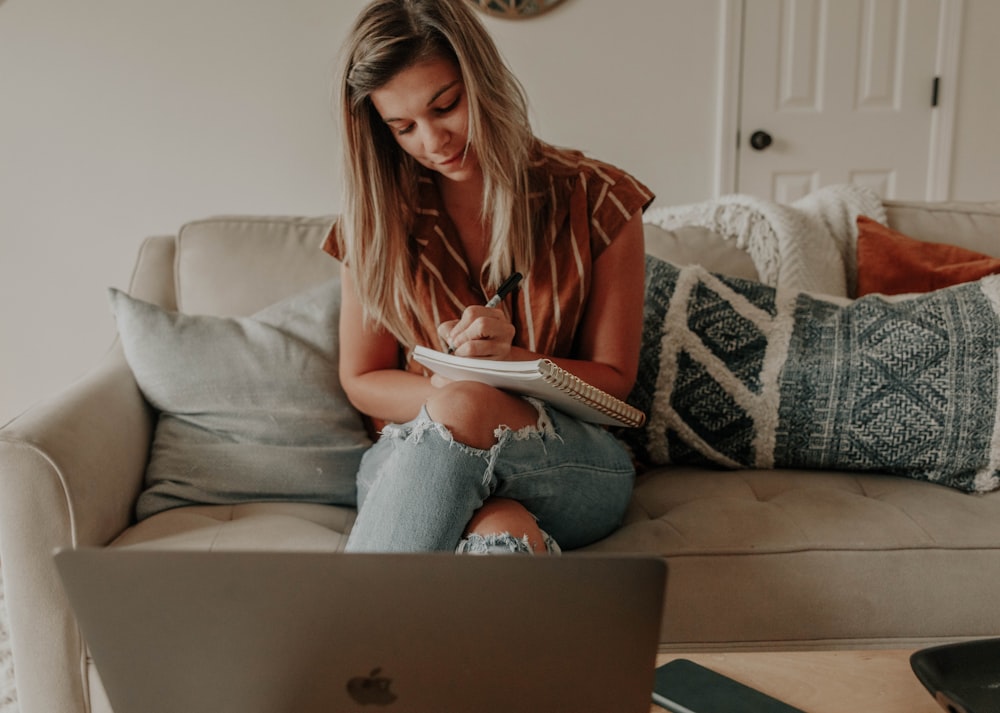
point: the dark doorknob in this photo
(760, 140)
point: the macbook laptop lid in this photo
(266, 632)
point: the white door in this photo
(837, 91)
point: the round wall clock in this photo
(515, 9)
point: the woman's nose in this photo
(436, 138)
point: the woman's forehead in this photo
(415, 87)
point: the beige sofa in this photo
(759, 559)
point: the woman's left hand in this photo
(483, 332)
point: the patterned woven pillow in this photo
(736, 374)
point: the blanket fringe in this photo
(808, 245)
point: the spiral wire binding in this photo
(590, 395)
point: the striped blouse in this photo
(586, 204)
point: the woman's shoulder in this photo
(560, 161)
(571, 170)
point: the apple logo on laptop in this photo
(371, 689)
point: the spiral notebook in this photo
(540, 378)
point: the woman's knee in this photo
(501, 516)
(473, 411)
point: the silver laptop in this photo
(266, 632)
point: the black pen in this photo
(505, 288)
(509, 284)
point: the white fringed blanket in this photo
(808, 245)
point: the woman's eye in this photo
(449, 107)
(440, 111)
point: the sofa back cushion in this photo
(973, 226)
(237, 265)
(697, 245)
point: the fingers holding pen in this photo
(481, 332)
(484, 332)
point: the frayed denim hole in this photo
(542, 429)
(544, 425)
(415, 431)
(393, 430)
(494, 543)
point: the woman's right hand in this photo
(482, 332)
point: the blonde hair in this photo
(380, 179)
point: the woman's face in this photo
(426, 108)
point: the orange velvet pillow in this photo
(892, 263)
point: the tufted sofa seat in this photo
(797, 559)
(762, 559)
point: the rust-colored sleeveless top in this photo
(585, 204)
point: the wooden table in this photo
(825, 681)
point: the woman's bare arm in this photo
(608, 341)
(370, 365)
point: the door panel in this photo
(843, 89)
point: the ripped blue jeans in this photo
(418, 487)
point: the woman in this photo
(447, 194)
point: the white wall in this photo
(976, 159)
(122, 119)
(125, 118)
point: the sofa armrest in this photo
(71, 469)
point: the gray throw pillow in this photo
(736, 374)
(250, 408)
